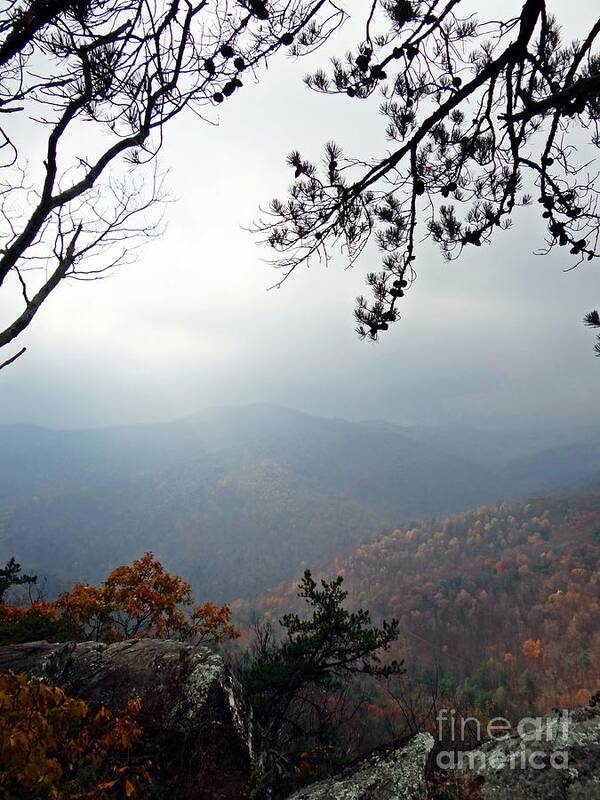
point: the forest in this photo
(262, 528)
(493, 612)
(498, 607)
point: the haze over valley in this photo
(238, 499)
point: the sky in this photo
(493, 340)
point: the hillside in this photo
(234, 499)
(500, 601)
(562, 455)
(238, 499)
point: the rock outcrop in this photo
(195, 721)
(557, 758)
(198, 734)
(393, 775)
(552, 758)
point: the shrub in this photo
(53, 746)
(33, 623)
(138, 600)
(143, 599)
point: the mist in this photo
(494, 339)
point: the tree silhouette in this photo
(292, 681)
(481, 115)
(592, 320)
(94, 85)
(11, 575)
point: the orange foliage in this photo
(53, 747)
(85, 606)
(532, 648)
(213, 623)
(143, 599)
(9, 614)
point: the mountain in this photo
(502, 450)
(234, 499)
(571, 465)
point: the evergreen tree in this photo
(483, 115)
(10, 575)
(290, 680)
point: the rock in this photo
(561, 763)
(397, 774)
(195, 722)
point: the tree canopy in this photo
(136, 600)
(483, 117)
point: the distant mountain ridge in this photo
(238, 499)
(497, 448)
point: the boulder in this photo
(394, 774)
(558, 759)
(196, 725)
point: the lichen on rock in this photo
(200, 680)
(562, 766)
(196, 724)
(397, 774)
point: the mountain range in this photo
(239, 499)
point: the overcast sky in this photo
(494, 339)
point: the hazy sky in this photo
(494, 339)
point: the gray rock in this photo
(395, 775)
(195, 721)
(563, 763)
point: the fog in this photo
(493, 340)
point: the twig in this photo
(9, 361)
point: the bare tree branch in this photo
(124, 69)
(9, 361)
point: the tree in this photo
(480, 114)
(10, 575)
(592, 320)
(137, 600)
(143, 599)
(290, 681)
(96, 85)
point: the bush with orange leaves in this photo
(143, 599)
(209, 622)
(11, 614)
(53, 747)
(33, 622)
